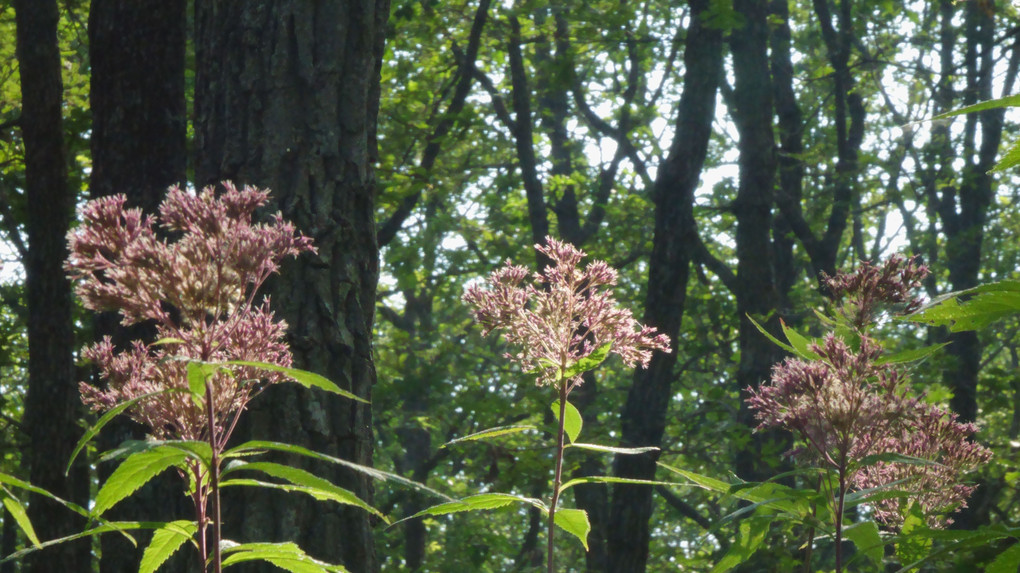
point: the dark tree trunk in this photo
(286, 97)
(644, 414)
(756, 292)
(136, 51)
(51, 404)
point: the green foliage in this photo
(166, 540)
(972, 309)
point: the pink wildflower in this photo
(569, 316)
(198, 288)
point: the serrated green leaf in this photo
(800, 344)
(972, 309)
(750, 535)
(1006, 562)
(613, 449)
(20, 516)
(257, 446)
(302, 377)
(574, 522)
(198, 376)
(490, 433)
(1008, 101)
(910, 355)
(611, 479)
(300, 481)
(106, 418)
(865, 536)
(134, 472)
(768, 335)
(1010, 158)
(165, 542)
(479, 502)
(590, 362)
(572, 420)
(913, 544)
(286, 556)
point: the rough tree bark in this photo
(756, 292)
(137, 58)
(287, 96)
(644, 414)
(51, 404)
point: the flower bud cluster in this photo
(566, 318)
(855, 414)
(197, 285)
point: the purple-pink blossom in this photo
(196, 281)
(851, 409)
(563, 315)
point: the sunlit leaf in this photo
(286, 556)
(20, 516)
(134, 472)
(165, 542)
(302, 377)
(572, 420)
(574, 522)
(489, 434)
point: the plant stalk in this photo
(557, 477)
(214, 479)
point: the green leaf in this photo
(134, 472)
(198, 375)
(105, 419)
(913, 544)
(301, 481)
(488, 434)
(1010, 158)
(302, 377)
(1007, 562)
(865, 536)
(613, 449)
(775, 340)
(589, 362)
(574, 522)
(801, 344)
(478, 502)
(258, 446)
(750, 535)
(611, 479)
(21, 518)
(286, 556)
(972, 309)
(1008, 101)
(165, 542)
(572, 421)
(910, 355)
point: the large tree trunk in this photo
(136, 51)
(756, 292)
(644, 414)
(286, 97)
(51, 404)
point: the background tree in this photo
(51, 402)
(286, 98)
(139, 149)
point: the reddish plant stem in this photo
(557, 477)
(839, 518)
(214, 478)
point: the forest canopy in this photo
(663, 212)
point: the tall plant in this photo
(196, 280)
(850, 405)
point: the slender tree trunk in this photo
(51, 404)
(644, 414)
(137, 54)
(287, 96)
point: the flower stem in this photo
(214, 478)
(839, 519)
(558, 476)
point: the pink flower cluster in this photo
(196, 282)
(565, 319)
(848, 406)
